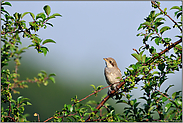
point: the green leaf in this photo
(22, 50)
(57, 14)
(132, 102)
(122, 101)
(140, 27)
(24, 99)
(135, 55)
(167, 40)
(164, 99)
(47, 9)
(151, 108)
(163, 29)
(48, 41)
(165, 9)
(152, 50)
(32, 15)
(141, 53)
(52, 79)
(155, 72)
(161, 66)
(31, 45)
(167, 107)
(143, 58)
(178, 102)
(175, 94)
(2, 10)
(18, 99)
(52, 74)
(128, 96)
(179, 14)
(54, 15)
(158, 24)
(143, 98)
(157, 41)
(50, 24)
(178, 47)
(93, 86)
(16, 15)
(28, 103)
(168, 88)
(6, 3)
(146, 23)
(24, 14)
(40, 15)
(44, 50)
(159, 19)
(175, 7)
(136, 104)
(99, 87)
(44, 72)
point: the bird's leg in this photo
(115, 87)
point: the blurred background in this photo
(87, 32)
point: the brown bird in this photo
(112, 72)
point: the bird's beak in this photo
(105, 59)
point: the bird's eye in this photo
(111, 63)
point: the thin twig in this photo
(93, 93)
(60, 117)
(11, 118)
(136, 51)
(167, 98)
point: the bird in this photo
(112, 73)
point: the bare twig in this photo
(93, 93)
(136, 51)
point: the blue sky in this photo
(91, 30)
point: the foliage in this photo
(150, 70)
(12, 28)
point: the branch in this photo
(165, 50)
(105, 99)
(153, 2)
(60, 117)
(93, 93)
(136, 51)
(11, 118)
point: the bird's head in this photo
(110, 62)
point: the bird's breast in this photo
(111, 75)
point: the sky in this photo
(87, 32)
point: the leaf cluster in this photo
(13, 26)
